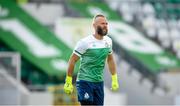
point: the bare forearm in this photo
(111, 65)
(70, 68)
(71, 64)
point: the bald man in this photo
(92, 51)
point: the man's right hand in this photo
(68, 87)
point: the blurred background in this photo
(37, 38)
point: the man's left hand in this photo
(115, 84)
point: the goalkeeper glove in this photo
(68, 87)
(115, 84)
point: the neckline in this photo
(97, 39)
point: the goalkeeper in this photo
(93, 51)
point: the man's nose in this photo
(105, 26)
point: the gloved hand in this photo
(68, 87)
(115, 84)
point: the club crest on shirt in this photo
(107, 45)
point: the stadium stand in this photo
(158, 23)
(150, 64)
(24, 24)
(44, 57)
(145, 36)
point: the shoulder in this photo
(86, 39)
(107, 38)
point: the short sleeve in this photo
(80, 48)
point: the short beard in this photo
(100, 31)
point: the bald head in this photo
(100, 24)
(96, 17)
